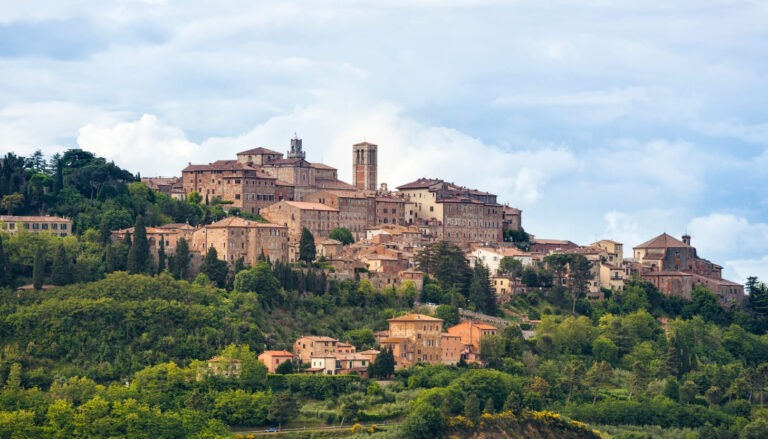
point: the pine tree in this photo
(480, 291)
(307, 251)
(139, 252)
(61, 269)
(38, 269)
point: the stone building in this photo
(386, 209)
(260, 177)
(675, 268)
(54, 225)
(415, 338)
(296, 215)
(454, 213)
(314, 346)
(352, 207)
(364, 160)
(470, 334)
(491, 257)
(235, 238)
(273, 359)
(243, 186)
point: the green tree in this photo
(214, 268)
(307, 250)
(5, 266)
(449, 314)
(61, 269)
(481, 294)
(472, 407)
(38, 270)
(598, 376)
(285, 368)
(181, 260)
(447, 263)
(138, 255)
(343, 235)
(284, 407)
(161, 258)
(262, 281)
(384, 365)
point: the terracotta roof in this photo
(321, 166)
(257, 151)
(552, 241)
(505, 251)
(303, 205)
(282, 183)
(663, 241)
(319, 338)
(415, 318)
(369, 352)
(335, 184)
(278, 353)
(364, 144)
(11, 218)
(478, 325)
(226, 165)
(236, 221)
(421, 183)
(342, 193)
(287, 162)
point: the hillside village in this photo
(287, 285)
(279, 196)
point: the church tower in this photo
(364, 163)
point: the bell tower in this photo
(364, 163)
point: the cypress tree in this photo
(139, 252)
(61, 269)
(307, 246)
(161, 258)
(5, 272)
(38, 269)
(181, 259)
(214, 268)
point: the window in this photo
(237, 196)
(45, 226)
(26, 226)
(63, 227)
(35, 226)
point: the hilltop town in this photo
(390, 226)
(264, 291)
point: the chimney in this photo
(687, 239)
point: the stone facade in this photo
(352, 207)
(54, 225)
(295, 215)
(273, 359)
(675, 268)
(311, 346)
(244, 186)
(454, 213)
(417, 338)
(364, 160)
(235, 238)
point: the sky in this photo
(599, 119)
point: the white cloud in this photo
(744, 268)
(147, 145)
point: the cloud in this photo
(744, 268)
(147, 145)
(727, 234)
